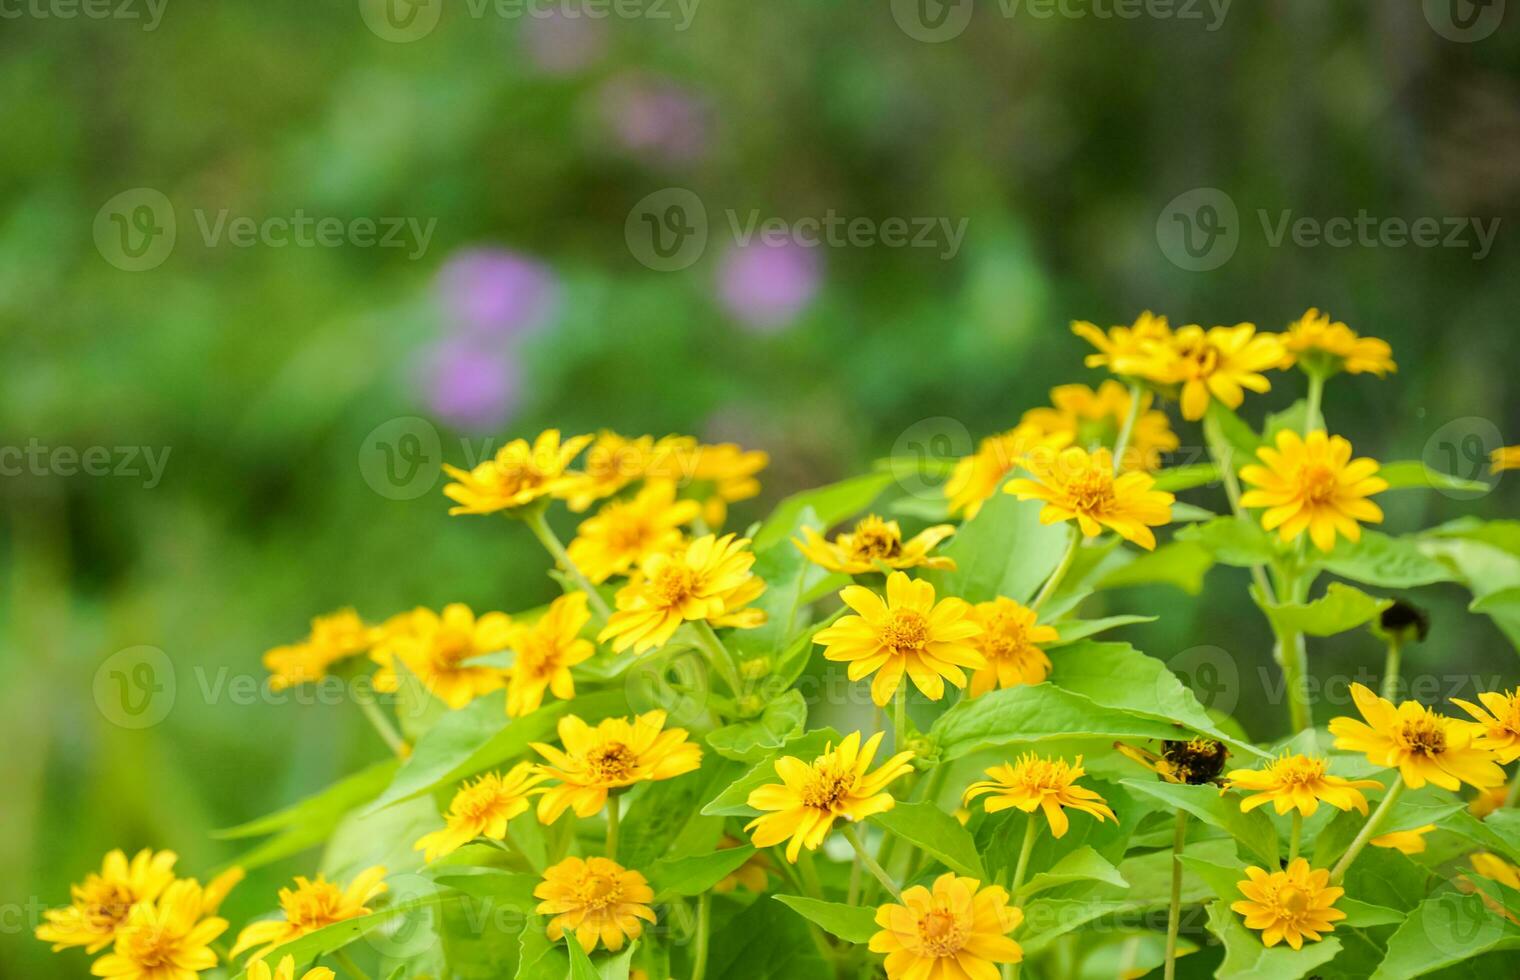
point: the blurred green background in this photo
(524, 143)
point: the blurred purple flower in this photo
(559, 45)
(656, 119)
(764, 287)
(495, 292)
(470, 386)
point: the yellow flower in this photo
(333, 637)
(875, 543)
(1495, 867)
(977, 477)
(1314, 483)
(614, 462)
(1010, 643)
(437, 649)
(1404, 841)
(1295, 904)
(615, 754)
(1300, 782)
(908, 633)
(1194, 761)
(956, 931)
(1045, 784)
(1095, 418)
(709, 579)
(519, 474)
(1076, 485)
(287, 971)
(1500, 724)
(753, 874)
(1128, 351)
(1488, 800)
(168, 938)
(597, 899)
(1323, 347)
(545, 653)
(724, 474)
(100, 902)
(1216, 364)
(309, 906)
(1504, 458)
(802, 808)
(482, 809)
(626, 532)
(1424, 746)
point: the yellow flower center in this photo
(613, 762)
(940, 933)
(1317, 483)
(874, 539)
(1300, 771)
(827, 788)
(1425, 736)
(1005, 638)
(150, 946)
(450, 647)
(673, 584)
(478, 801)
(1201, 359)
(105, 904)
(906, 632)
(598, 892)
(1293, 901)
(1091, 491)
(315, 906)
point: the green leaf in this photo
(832, 503)
(1497, 832)
(936, 833)
(733, 800)
(1245, 958)
(1294, 417)
(1035, 713)
(1223, 880)
(1083, 864)
(580, 963)
(1364, 915)
(753, 740)
(1181, 564)
(1180, 478)
(1073, 630)
(852, 923)
(1237, 541)
(1004, 550)
(1341, 608)
(694, 875)
(665, 819)
(1386, 562)
(1446, 928)
(1185, 513)
(1240, 439)
(787, 576)
(1412, 474)
(765, 942)
(1254, 830)
(312, 820)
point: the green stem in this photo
(814, 887)
(1312, 418)
(704, 924)
(539, 525)
(1295, 836)
(869, 862)
(1031, 831)
(718, 656)
(1222, 458)
(900, 716)
(1174, 906)
(1391, 670)
(856, 869)
(1513, 796)
(342, 958)
(1369, 830)
(614, 813)
(1056, 576)
(1128, 429)
(378, 720)
(1292, 655)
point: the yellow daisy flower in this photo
(1422, 745)
(1500, 724)
(1496, 868)
(626, 532)
(958, 930)
(613, 462)
(1504, 458)
(1314, 483)
(617, 753)
(334, 637)
(1300, 782)
(168, 938)
(1011, 644)
(518, 475)
(753, 874)
(1128, 351)
(802, 808)
(1295, 904)
(287, 971)
(482, 809)
(1216, 364)
(1322, 347)
(545, 652)
(101, 901)
(875, 543)
(1095, 419)
(908, 633)
(597, 899)
(1045, 784)
(978, 476)
(724, 474)
(1488, 800)
(1081, 486)
(309, 906)
(709, 579)
(437, 649)
(1404, 841)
